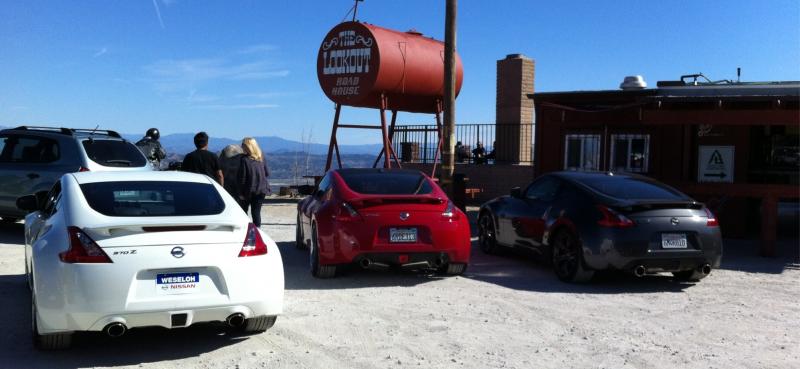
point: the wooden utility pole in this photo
(448, 155)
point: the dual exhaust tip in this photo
(235, 320)
(366, 263)
(117, 329)
(640, 270)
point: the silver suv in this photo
(33, 158)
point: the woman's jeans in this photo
(254, 203)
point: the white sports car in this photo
(109, 251)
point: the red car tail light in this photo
(253, 243)
(712, 220)
(612, 219)
(450, 212)
(83, 169)
(347, 213)
(82, 249)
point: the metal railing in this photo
(499, 143)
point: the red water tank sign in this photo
(359, 62)
(346, 59)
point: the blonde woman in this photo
(252, 179)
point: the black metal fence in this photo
(475, 143)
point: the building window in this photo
(582, 152)
(630, 153)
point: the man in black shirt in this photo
(201, 160)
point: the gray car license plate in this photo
(674, 241)
(402, 235)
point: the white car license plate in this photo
(402, 235)
(177, 283)
(674, 241)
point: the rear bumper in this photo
(350, 243)
(616, 249)
(164, 318)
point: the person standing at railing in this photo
(479, 154)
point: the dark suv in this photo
(33, 158)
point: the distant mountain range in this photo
(183, 143)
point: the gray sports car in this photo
(589, 221)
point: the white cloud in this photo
(261, 48)
(158, 14)
(238, 106)
(211, 69)
(100, 52)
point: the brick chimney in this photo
(514, 110)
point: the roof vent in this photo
(633, 83)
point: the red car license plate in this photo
(402, 235)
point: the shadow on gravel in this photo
(139, 346)
(13, 233)
(520, 272)
(298, 277)
(742, 255)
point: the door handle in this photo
(33, 175)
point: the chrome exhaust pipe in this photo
(365, 263)
(115, 329)
(439, 262)
(639, 271)
(705, 269)
(235, 320)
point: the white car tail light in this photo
(82, 249)
(253, 244)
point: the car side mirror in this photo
(28, 203)
(516, 192)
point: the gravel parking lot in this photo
(505, 312)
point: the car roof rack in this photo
(70, 131)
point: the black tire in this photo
(568, 258)
(258, 324)
(317, 270)
(693, 275)
(54, 341)
(487, 235)
(9, 220)
(454, 269)
(299, 241)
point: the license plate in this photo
(674, 241)
(402, 235)
(177, 283)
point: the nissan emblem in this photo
(404, 215)
(177, 252)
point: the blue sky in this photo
(248, 68)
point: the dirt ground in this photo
(505, 312)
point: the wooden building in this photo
(735, 146)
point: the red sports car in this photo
(380, 218)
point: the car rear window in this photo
(114, 153)
(25, 149)
(153, 198)
(387, 183)
(632, 188)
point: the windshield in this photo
(114, 153)
(153, 198)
